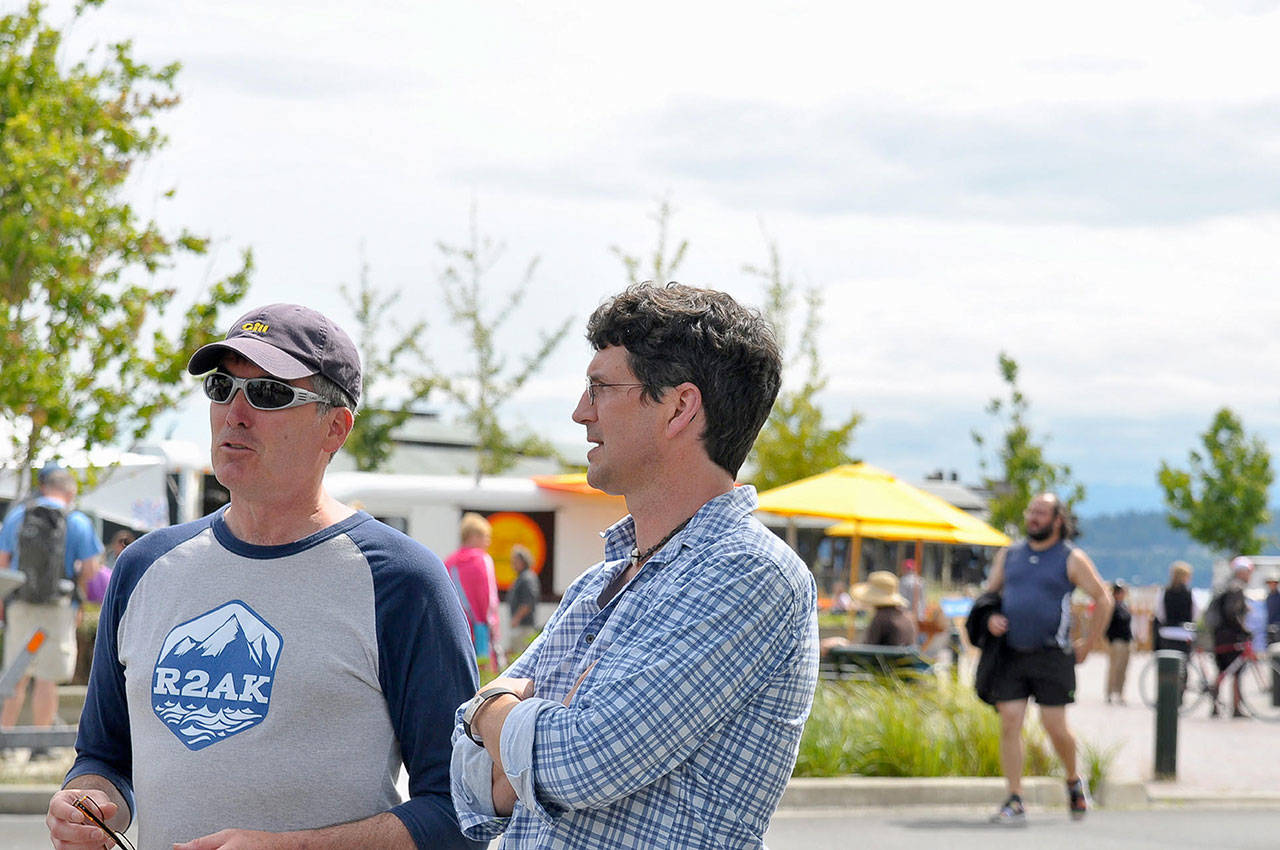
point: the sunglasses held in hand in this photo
(90, 810)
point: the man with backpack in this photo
(1224, 621)
(50, 544)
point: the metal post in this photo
(1168, 697)
(855, 573)
(953, 641)
(1273, 654)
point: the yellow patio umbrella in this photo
(856, 491)
(968, 530)
(875, 503)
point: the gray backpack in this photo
(42, 552)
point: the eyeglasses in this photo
(262, 393)
(90, 809)
(593, 386)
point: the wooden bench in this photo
(865, 661)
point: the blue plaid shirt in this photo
(685, 732)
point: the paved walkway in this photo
(1216, 758)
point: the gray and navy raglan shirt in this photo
(277, 687)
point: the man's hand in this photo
(1081, 648)
(503, 793)
(487, 722)
(997, 624)
(524, 687)
(70, 828)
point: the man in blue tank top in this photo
(1035, 578)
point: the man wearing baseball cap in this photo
(261, 673)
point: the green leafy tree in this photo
(661, 265)
(370, 443)
(1221, 500)
(91, 354)
(1022, 470)
(795, 441)
(488, 383)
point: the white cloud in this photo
(1087, 187)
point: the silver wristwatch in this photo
(469, 713)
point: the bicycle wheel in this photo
(1257, 679)
(1198, 690)
(1147, 682)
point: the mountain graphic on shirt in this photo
(215, 673)
(229, 644)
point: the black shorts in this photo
(1048, 675)
(1223, 660)
(1225, 652)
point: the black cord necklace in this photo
(638, 557)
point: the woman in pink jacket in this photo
(471, 570)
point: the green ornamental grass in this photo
(924, 726)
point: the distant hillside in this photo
(1138, 546)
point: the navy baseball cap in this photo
(288, 341)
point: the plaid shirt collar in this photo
(711, 518)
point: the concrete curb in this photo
(1166, 796)
(25, 799)
(858, 792)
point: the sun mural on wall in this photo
(510, 528)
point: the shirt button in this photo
(590, 638)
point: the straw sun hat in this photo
(880, 590)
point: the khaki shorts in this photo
(56, 659)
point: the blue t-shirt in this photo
(82, 542)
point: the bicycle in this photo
(1259, 681)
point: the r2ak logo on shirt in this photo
(213, 677)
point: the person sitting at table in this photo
(892, 624)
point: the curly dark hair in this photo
(677, 333)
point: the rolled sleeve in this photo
(519, 734)
(471, 768)
(471, 785)
(471, 772)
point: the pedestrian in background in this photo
(1119, 642)
(471, 570)
(1227, 614)
(1175, 608)
(1273, 606)
(892, 624)
(1035, 578)
(60, 545)
(95, 585)
(522, 599)
(911, 586)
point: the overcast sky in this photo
(1091, 187)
